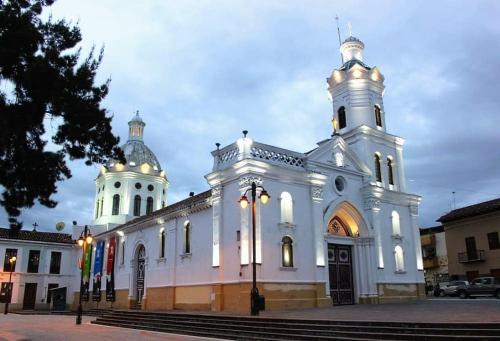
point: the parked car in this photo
(481, 286)
(451, 288)
(439, 287)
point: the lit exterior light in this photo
(264, 197)
(89, 239)
(145, 168)
(13, 259)
(80, 241)
(243, 201)
(119, 167)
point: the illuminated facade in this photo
(339, 227)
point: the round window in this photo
(150, 188)
(138, 185)
(339, 183)
(117, 184)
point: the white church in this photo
(338, 228)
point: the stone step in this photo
(302, 328)
(289, 329)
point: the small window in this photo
(149, 205)
(187, 237)
(396, 225)
(389, 171)
(102, 206)
(33, 261)
(151, 188)
(342, 119)
(162, 243)
(287, 252)
(122, 258)
(493, 241)
(163, 204)
(118, 184)
(339, 183)
(116, 204)
(378, 116)
(286, 208)
(399, 258)
(55, 262)
(138, 185)
(378, 173)
(137, 205)
(9, 253)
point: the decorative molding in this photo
(247, 181)
(317, 193)
(216, 191)
(414, 210)
(372, 204)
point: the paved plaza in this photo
(63, 328)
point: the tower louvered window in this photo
(149, 205)
(378, 173)
(137, 205)
(378, 116)
(116, 204)
(389, 171)
(342, 119)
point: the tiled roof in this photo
(471, 211)
(48, 237)
(178, 206)
(431, 230)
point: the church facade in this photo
(338, 228)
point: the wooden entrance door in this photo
(141, 255)
(29, 296)
(340, 274)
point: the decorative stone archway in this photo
(350, 253)
(140, 273)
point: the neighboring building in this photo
(339, 228)
(472, 240)
(44, 260)
(434, 254)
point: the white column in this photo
(373, 205)
(216, 226)
(401, 169)
(318, 228)
(416, 236)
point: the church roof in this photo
(350, 63)
(352, 39)
(138, 153)
(179, 206)
(36, 236)
(471, 211)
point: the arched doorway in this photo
(140, 272)
(340, 264)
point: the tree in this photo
(43, 81)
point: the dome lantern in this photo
(136, 128)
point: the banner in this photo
(110, 271)
(87, 260)
(98, 261)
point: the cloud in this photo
(202, 71)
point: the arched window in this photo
(97, 209)
(286, 208)
(287, 252)
(162, 243)
(399, 258)
(389, 171)
(187, 237)
(396, 227)
(102, 206)
(342, 119)
(149, 205)
(378, 116)
(378, 173)
(116, 204)
(137, 205)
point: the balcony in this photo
(430, 263)
(427, 240)
(473, 256)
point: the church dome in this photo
(136, 152)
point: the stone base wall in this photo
(235, 297)
(390, 292)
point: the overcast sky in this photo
(200, 72)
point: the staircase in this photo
(249, 328)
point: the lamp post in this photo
(12, 261)
(264, 198)
(84, 241)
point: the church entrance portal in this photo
(340, 272)
(141, 255)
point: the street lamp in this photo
(84, 241)
(264, 198)
(12, 261)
